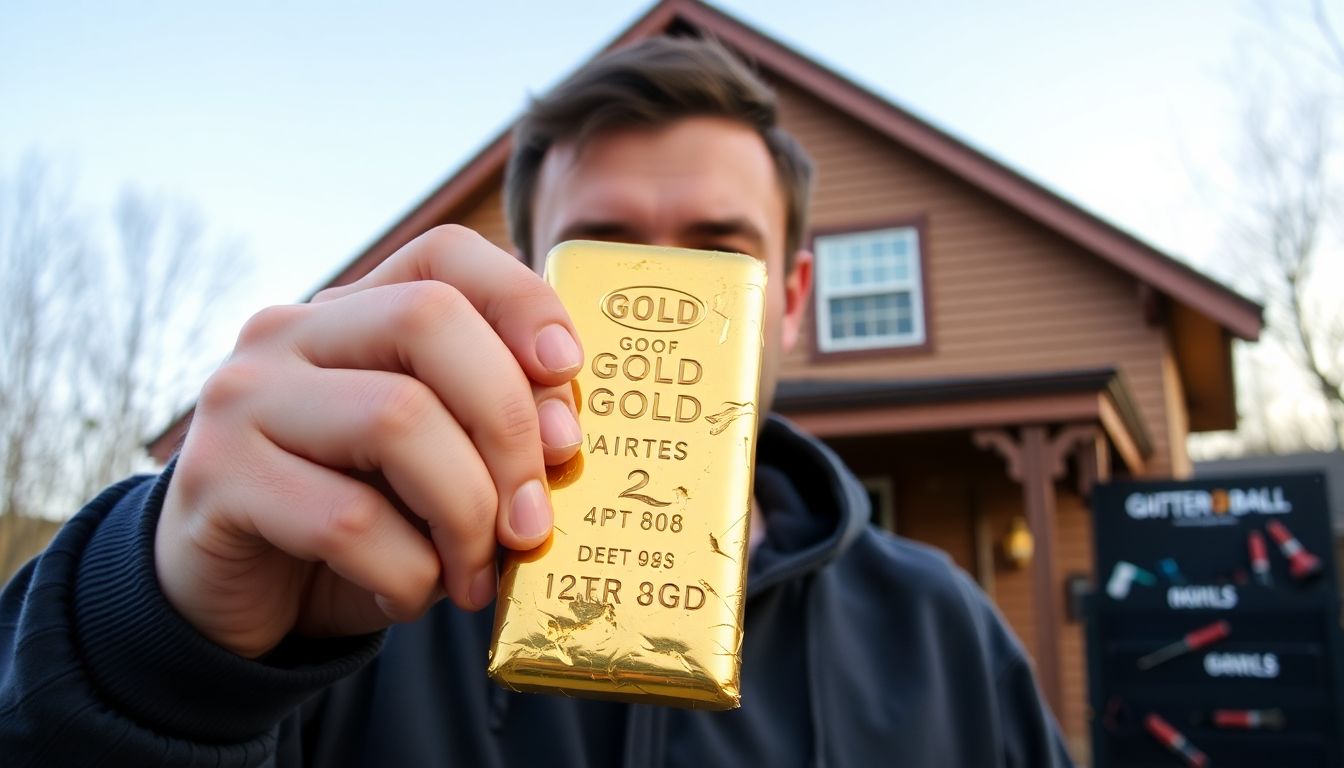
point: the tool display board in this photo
(1214, 634)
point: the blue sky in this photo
(303, 129)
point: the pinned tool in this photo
(1123, 576)
(1174, 740)
(1301, 563)
(1171, 571)
(1193, 641)
(1255, 542)
(1249, 719)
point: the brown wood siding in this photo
(1178, 417)
(1075, 555)
(1012, 586)
(487, 218)
(1005, 295)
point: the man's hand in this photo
(441, 378)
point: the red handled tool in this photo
(1255, 541)
(1249, 719)
(1175, 741)
(1301, 563)
(1193, 641)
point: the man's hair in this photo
(649, 85)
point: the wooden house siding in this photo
(487, 217)
(1005, 295)
(1178, 418)
(1075, 555)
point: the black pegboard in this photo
(1282, 652)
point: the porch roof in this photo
(845, 407)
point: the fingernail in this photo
(557, 350)
(558, 427)
(530, 515)
(482, 589)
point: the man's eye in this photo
(729, 247)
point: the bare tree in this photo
(1288, 170)
(99, 331)
(40, 240)
(1286, 231)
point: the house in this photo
(981, 350)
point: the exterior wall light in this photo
(1018, 543)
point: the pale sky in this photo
(304, 129)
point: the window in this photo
(869, 290)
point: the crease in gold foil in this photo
(639, 593)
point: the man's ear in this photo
(797, 290)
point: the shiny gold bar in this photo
(638, 594)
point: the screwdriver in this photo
(1175, 741)
(1249, 719)
(1193, 641)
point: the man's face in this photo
(700, 182)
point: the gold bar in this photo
(638, 594)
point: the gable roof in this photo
(1238, 315)
(464, 188)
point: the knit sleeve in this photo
(97, 667)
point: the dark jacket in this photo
(861, 648)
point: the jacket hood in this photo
(807, 524)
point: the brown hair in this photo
(650, 84)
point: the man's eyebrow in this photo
(700, 230)
(596, 229)
(730, 227)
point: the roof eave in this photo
(1241, 316)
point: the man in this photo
(362, 457)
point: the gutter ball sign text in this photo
(1220, 506)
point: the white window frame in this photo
(912, 283)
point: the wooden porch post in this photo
(1036, 461)
(1038, 501)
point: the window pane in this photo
(900, 265)
(839, 318)
(868, 285)
(877, 315)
